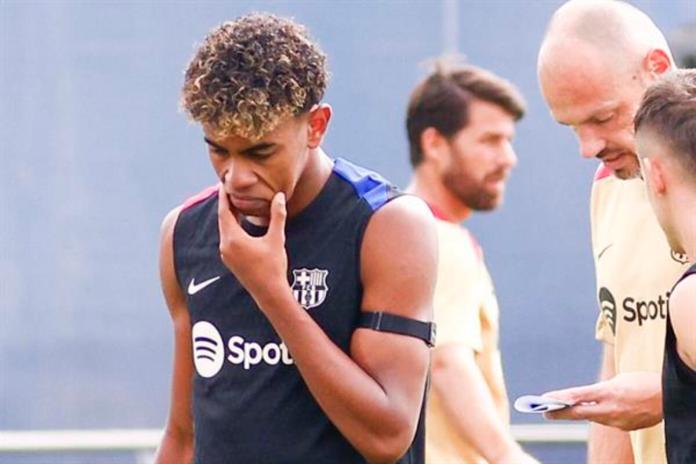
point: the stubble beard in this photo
(629, 172)
(473, 195)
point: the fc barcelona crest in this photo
(309, 287)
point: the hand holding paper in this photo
(535, 404)
(628, 401)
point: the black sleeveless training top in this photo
(250, 404)
(679, 399)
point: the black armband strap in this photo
(385, 322)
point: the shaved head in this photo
(612, 28)
(596, 60)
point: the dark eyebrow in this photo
(494, 133)
(251, 151)
(214, 145)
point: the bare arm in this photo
(682, 313)
(177, 443)
(608, 444)
(374, 395)
(467, 401)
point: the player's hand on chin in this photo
(628, 401)
(259, 263)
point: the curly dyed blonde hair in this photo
(251, 73)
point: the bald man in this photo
(596, 61)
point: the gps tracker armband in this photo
(385, 322)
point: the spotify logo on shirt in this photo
(635, 310)
(608, 307)
(209, 351)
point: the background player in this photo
(596, 60)
(666, 138)
(460, 124)
(271, 364)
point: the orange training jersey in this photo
(635, 270)
(466, 311)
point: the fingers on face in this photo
(223, 203)
(228, 226)
(278, 216)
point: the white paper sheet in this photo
(536, 404)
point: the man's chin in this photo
(257, 219)
(255, 209)
(255, 215)
(486, 203)
(627, 173)
(629, 169)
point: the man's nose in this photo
(591, 144)
(238, 176)
(509, 156)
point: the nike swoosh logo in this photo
(194, 287)
(603, 250)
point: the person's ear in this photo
(654, 172)
(657, 62)
(435, 147)
(319, 117)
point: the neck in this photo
(310, 183)
(685, 224)
(687, 236)
(428, 185)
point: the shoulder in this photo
(606, 188)
(406, 214)
(169, 222)
(205, 195)
(200, 197)
(457, 244)
(682, 313)
(398, 258)
(603, 179)
(401, 233)
(391, 217)
(168, 279)
(683, 298)
(602, 172)
(368, 186)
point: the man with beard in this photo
(596, 61)
(460, 124)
